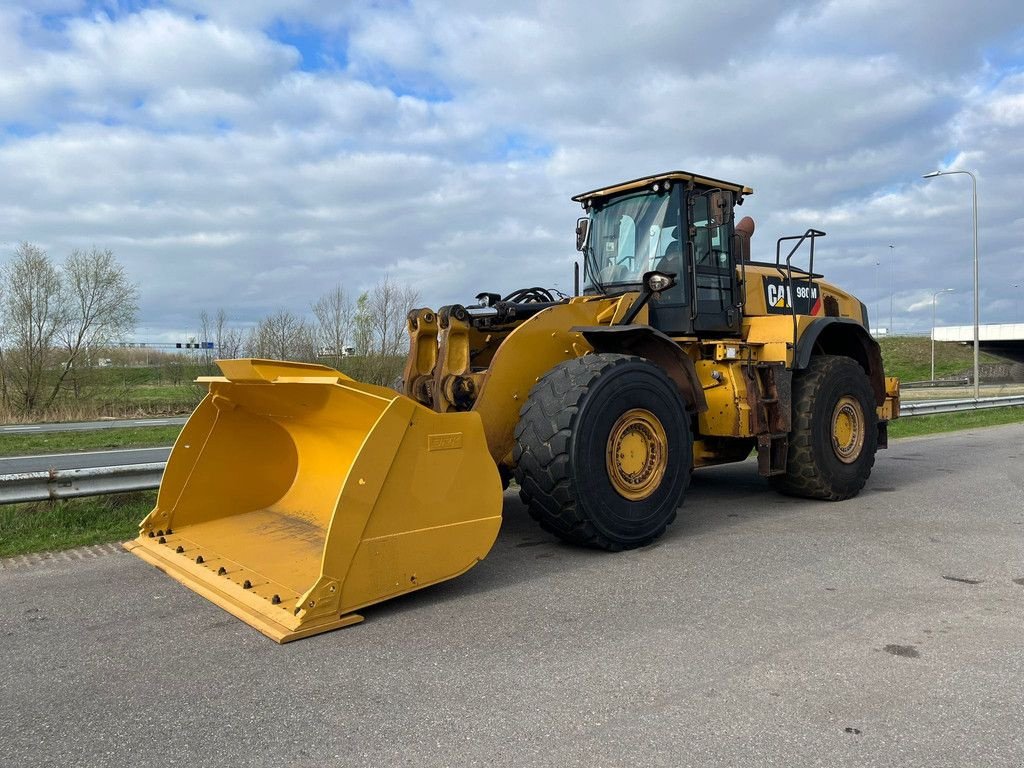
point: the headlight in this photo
(657, 282)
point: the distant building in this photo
(328, 351)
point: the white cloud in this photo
(104, 66)
(443, 144)
(939, 37)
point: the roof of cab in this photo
(676, 176)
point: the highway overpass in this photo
(1002, 339)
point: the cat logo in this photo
(779, 296)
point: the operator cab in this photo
(676, 223)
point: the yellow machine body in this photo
(295, 496)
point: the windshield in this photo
(630, 236)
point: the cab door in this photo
(713, 264)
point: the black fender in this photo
(843, 336)
(650, 343)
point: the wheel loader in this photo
(295, 496)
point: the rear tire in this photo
(603, 451)
(835, 431)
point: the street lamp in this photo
(892, 283)
(934, 297)
(878, 294)
(974, 193)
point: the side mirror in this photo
(719, 207)
(582, 232)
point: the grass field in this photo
(909, 358)
(166, 389)
(49, 526)
(92, 440)
(951, 422)
(170, 389)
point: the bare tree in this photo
(33, 312)
(362, 326)
(385, 312)
(390, 302)
(4, 397)
(229, 340)
(333, 313)
(283, 336)
(205, 333)
(100, 307)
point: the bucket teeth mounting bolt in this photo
(152, 535)
(159, 533)
(246, 584)
(180, 549)
(275, 600)
(199, 559)
(161, 540)
(169, 531)
(221, 571)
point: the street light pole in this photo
(878, 302)
(892, 283)
(935, 296)
(974, 195)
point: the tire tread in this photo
(803, 475)
(542, 445)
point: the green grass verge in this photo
(34, 443)
(909, 358)
(54, 525)
(951, 422)
(158, 400)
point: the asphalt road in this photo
(87, 426)
(15, 464)
(761, 630)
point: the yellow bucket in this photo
(295, 496)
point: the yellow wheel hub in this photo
(848, 429)
(637, 454)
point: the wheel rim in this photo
(637, 454)
(848, 429)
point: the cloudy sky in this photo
(251, 154)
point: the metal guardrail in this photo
(935, 384)
(69, 483)
(926, 407)
(95, 481)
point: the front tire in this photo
(603, 451)
(835, 431)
